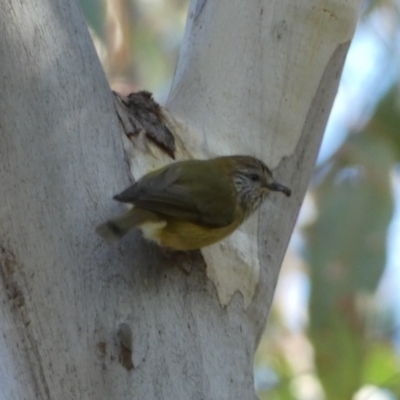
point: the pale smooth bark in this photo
(82, 320)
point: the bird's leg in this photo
(181, 259)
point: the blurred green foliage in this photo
(346, 245)
(347, 250)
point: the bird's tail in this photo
(115, 229)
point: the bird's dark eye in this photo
(254, 177)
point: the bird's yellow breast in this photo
(182, 235)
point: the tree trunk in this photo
(82, 320)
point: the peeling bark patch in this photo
(8, 266)
(15, 295)
(125, 358)
(125, 342)
(15, 287)
(139, 114)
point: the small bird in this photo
(191, 204)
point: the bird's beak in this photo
(277, 187)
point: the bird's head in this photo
(253, 181)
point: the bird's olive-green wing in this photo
(191, 190)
